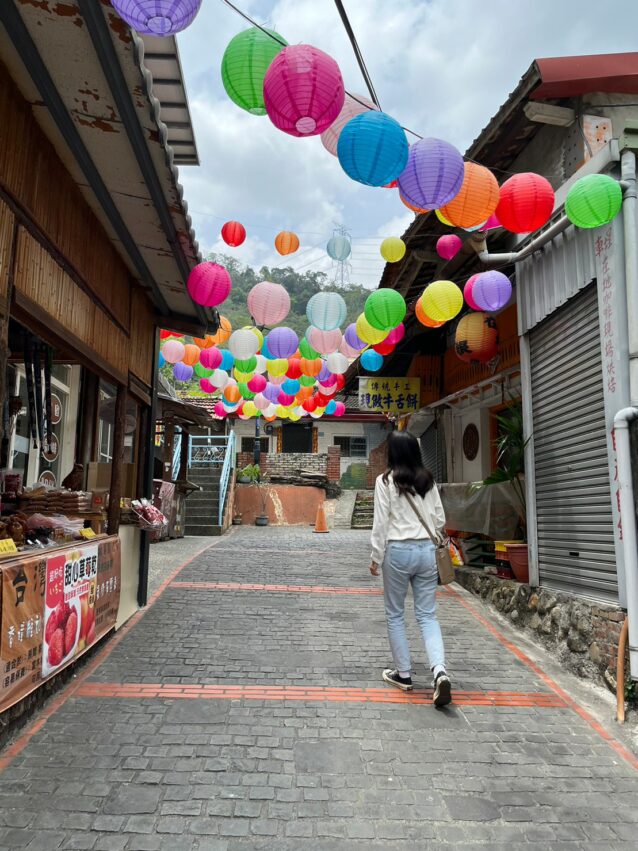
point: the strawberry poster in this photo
(54, 606)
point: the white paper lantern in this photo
(219, 378)
(337, 363)
(243, 344)
(262, 364)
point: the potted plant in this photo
(237, 518)
(510, 460)
(249, 474)
(261, 519)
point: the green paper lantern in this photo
(307, 380)
(384, 309)
(246, 392)
(247, 366)
(593, 201)
(244, 65)
(307, 351)
(202, 372)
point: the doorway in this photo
(296, 437)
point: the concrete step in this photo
(203, 530)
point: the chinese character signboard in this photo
(392, 395)
(54, 606)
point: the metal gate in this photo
(433, 451)
(573, 499)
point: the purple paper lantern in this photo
(352, 339)
(303, 90)
(491, 290)
(433, 176)
(209, 284)
(272, 392)
(182, 372)
(282, 342)
(157, 17)
(324, 375)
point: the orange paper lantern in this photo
(424, 319)
(232, 394)
(286, 242)
(191, 354)
(476, 338)
(411, 206)
(477, 199)
(311, 367)
(224, 332)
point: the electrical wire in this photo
(357, 51)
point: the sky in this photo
(440, 67)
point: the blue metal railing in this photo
(177, 454)
(227, 468)
(215, 451)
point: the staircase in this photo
(363, 513)
(211, 463)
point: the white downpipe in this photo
(630, 201)
(628, 520)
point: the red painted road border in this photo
(620, 749)
(71, 689)
(292, 589)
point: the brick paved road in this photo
(197, 731)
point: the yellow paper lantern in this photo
(442, 301)
(442, 219)
(294, 417)
(282, 412)
(367, 333)
(250, 409)
(392, 249)
(423, 318)
(278, 367)
(242, 377)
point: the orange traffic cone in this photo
(320, 522)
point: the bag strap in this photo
(436, 539)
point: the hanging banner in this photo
(394, 395)
(54, 607)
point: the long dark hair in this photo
(406, 466)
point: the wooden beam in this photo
(117, 462)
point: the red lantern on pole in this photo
(233, 233)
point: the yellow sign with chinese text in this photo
(7, 545)
(87, 533)
(390, 395)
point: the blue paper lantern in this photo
(228, 361)
(182, 372)
(291, 386)
(161, 360)
(371, 360)
(373, 149)
(331, 407)
(339, 248)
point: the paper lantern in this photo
(442, 219)
(476, 338)
(303, 90)
(396, 335)
(244, 64)
(245, 391)
(219, 410)
(282, 412)
(326, 311)
(476, 200)
(227, 360)
(526, 202)
(247, 365)
(339, 248)
(282, 342)
(210, 358)
(286, 242)
(268, 303)
(433, 174)
(257, 384)
(492, 223)
(306, 349)
(182, 372)
(309, 405)
(412, 207)
(352, 106)
(442, 300)
(339, 410)
(348, 351)
(219, 378)
(392, 249)
(372, 148)
(209, 284)
(291, 386)
(324, 341)
(325, 373)
(157, 17)
(311, 367)
(233, 234)
(207, 386)
(467, 293)
(164, 335)
(191, 354)
(331, 407)
(250, 409)
(593, 201)
(271, 392)
(243, 344)
(491, 290)
(367, 333)
(384, 309)
(277, 367)
(337, 363)
(223, 333)
(423, 318)
(307, 380)
(261, 402)
(448, 246)
(161, 360)
(294, 369)
(352, 339)
(384, 348)
(173, 351)
(232, 394)
(286, 399)
(371, 361)
(262, 363)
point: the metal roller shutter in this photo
(573, 498)
(433, 452)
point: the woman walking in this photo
(405, 496)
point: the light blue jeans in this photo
(412, 563)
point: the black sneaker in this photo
(442, 690)
(392, 677)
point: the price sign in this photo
(8, 545)
(87, 533)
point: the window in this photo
(248, 444)
(352, 447)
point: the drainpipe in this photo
(628, 520)
(628, 182)
(480, 246)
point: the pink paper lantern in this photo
(206, 386)
(209, 284)
(324, 342)
(268, 303)
(339, 410)
(396, 335)
(448, 246)
(210, 358)
(219, 410)
(351, 106)
(348, 351)
(303, 90)
(491, 224)
(257, 384)
(173, 351)
(285, 399)
(467, 293)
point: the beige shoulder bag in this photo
(442, 554)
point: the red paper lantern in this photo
(384, 348)
(526, 202)
(321, 400)
(294, 368)
(476, 338)
(309, 405)
(233, 234)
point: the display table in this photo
(56, 603)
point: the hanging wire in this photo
(357, 51)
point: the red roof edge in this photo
(571, 76)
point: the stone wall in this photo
(582, 634)
(290, 463)
(377, 463)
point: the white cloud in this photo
(441, 67)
